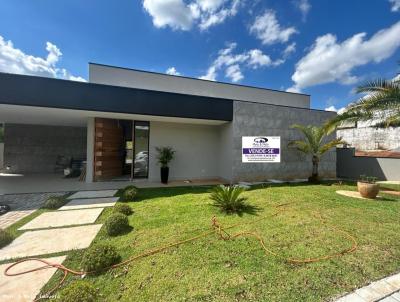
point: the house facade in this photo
(115, 122)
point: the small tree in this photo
(316, 144)
(165, 155)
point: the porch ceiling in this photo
(68, 117)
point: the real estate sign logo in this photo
(261, 149)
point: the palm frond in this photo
(377, 85)
(325, 148)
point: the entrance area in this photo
(121, 149)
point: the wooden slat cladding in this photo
(108, 144)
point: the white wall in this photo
(226, 151)
(1, 155)
(197, 150)
(102, 74)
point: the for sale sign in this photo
(261, 149)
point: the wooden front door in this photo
(108, 149)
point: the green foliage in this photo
(81, 291)
(129, 193)
(54, 202)
(5, 238)
(315, 143)
(165, 155)
(382, 104)
(99, 257)
(116, 224)
(228, 199)
(368, 179)
(123, 209)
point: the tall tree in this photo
(316, 144)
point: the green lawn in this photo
(210, 269)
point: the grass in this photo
(210, 269)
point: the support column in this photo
(90, 149)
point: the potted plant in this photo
(367, 186)
(165, 155)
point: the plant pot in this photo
(164, 175)
(368, 190)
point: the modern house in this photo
(115, 121)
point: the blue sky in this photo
(323, 48)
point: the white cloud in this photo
(395, 5)
(173, 13)
(14, 60)
(330, 61)
(334, 109)
(233, 63)
(234, 73)
(291, 48)
(181, 15)
(304, 6)
(269, 31)
(172, 71)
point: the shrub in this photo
(129, 193)
(81, 291)
(228, 199)
(116, 224)
(123, 208)
(98, 257)
(5, 238)
(54, 202)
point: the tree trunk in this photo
(314, 176)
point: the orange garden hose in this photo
(217, 229)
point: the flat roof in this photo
(197, 79)
(37, 91)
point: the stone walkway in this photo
(58, 236)
(384, 290)
(22, 205)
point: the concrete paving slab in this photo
(383, 287)
(368, 294)
(63, 218)
(93, 194)
(89, 203)
(34, 243)
(354, 194)
(396, 296)
(25, 287)
(394, 280)
(351, 298)
(389, 299)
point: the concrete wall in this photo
(350, 166)
(154, 81)
(197, 150)
(34, 148)
(369, 138)
(252, 119)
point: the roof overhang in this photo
(22, 91)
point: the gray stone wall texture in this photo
(253, 119)
(369, 138)
(34, 148)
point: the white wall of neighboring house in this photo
(370, 138)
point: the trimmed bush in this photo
(98, 257)
(5, 238)
(129, 193)
(81, 291)
(54, 202)
(116, 224)
(123, 208)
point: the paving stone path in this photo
(384, 290)
(22, 205)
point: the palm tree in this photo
(381, 104)
(316, 144)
